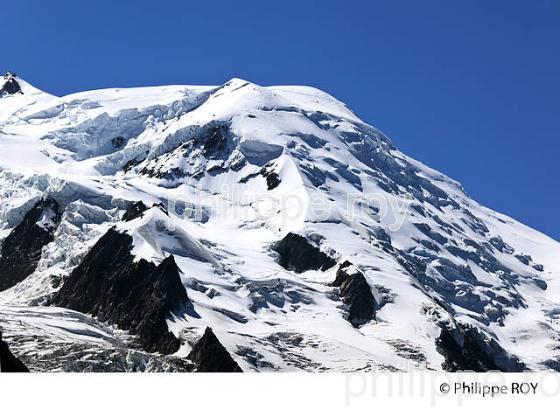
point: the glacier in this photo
(304, 239)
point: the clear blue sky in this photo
(471, 88)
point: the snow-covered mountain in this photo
(251, 228)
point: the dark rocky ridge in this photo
(298, 255)
(356, 294)
(136, 296)
(209, 355)
(465, 348)
(8, 362)
(22, 248)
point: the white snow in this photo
(97, 151)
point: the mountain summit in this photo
(274, 216)
(10, 85)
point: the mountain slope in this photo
(229, 178)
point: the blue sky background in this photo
(470, 88)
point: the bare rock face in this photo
(8, 362)
(135, 210)
(22, 248)
(465, 348)
(272, 178)
(11, 86)
(136, 296)
(209, 355)
(298, 255)
(356, 294)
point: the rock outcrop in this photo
(8, 362)
(22, 248)
(465, 348)
(272, 178)
(355, 292)
(134, 210)
(298, 255)
(209, 355)
(10, 86)
(135, 295)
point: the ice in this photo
(204, 153)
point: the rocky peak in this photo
(11, 85)
(135, 295)
(209, 355)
